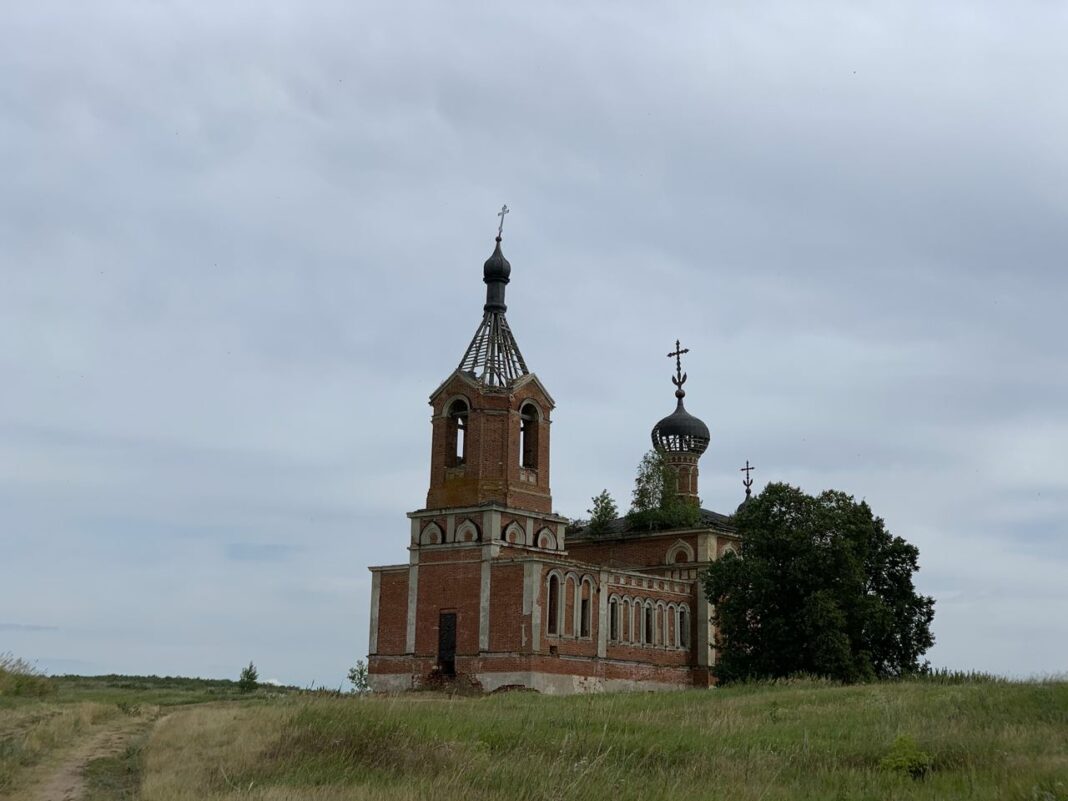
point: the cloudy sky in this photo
(241, 243)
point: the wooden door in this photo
(447, 643)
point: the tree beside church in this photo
(820, 587)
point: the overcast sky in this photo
(241, 243)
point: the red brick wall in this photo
(448, 587)
(506, 609)
(634, 553)
(492, 468)
(392, 612)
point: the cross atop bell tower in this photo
(491, 416)
(493, 356)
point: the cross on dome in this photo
(747, 482)
(680, 377)
(500, 228)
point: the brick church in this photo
(496, 592)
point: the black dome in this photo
(496, 267)
(680, 432)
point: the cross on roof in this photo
(680, 378)
(747, 481)
(500, 228)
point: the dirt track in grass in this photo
(62, 778)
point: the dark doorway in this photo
(447, 643)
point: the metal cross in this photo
(679, 379)
(501, 213)
(747, 481)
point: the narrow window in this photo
(528, 436)
(456, 434)
(554, 604)
(648, 625)
(613, 620)
(569, 604)
(684, 628)
(585, 617)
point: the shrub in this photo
(602, 514)
(249, 679)
(19, 678)
(358, 677)
(906, 758)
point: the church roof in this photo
(618, 528)
(493, 357)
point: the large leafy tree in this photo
(820, 587)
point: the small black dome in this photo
(496, 267)
(680, 432)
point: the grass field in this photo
(59, 713)
(799, 740)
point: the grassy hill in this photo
(975, 739)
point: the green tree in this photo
(655, 503)
(249, 679)
(602, 514)
(821, 587)
(358, 677)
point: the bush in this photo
(249, 679)
(655, 504)
(358, 678)
(19, 678)
(602, 514)
(906, 758)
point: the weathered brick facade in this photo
(495, 593)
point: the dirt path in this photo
(64, 780)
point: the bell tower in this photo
(490, 441)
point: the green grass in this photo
(156, 690)
(772, 741)
(116, 778)
(949, 736)
(41, 716)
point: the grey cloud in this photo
(240, 247)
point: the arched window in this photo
(684, 627)
(467, 532)
(528, 436)
(554, 604)
(585, 610)
(647, 629)
(570, 606)
(613, 620)
(546, 540)
(456, 433)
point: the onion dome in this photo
(497, 267)
(680, 431)
(495, 273)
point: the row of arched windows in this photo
(467, 531)
(456, 417)
(638, 621)
(569, 605)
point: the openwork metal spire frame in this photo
(493, 356)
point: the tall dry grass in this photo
(790, 740)
(29, 734)
(20, 679)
